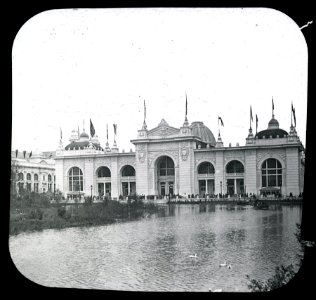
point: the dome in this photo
(273, 123)
(84, 135)
(75, 145)
(203, 132)
(273, 130)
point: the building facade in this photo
(33, 172)
(182, 161)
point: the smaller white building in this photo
(34, 172)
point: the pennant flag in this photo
(61, 134)
(272, 108)
(256, 122)
(78, 131)
(251, 118)
(107, 132)
(92, 131)
(24, 152)
(16, 153)
(144, 110)
(294, 116)
(186, 105)
(30, 154)
(220, 119)
(115, 128)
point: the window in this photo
(128, 171)
(206, 168)
(36, 187)
(235, 166)
(271, 173)
(28, 176)
(166, 166)
(43, 177)
(75, 180)
(49, 178)
(49, 187)
(35, 177)
(104, 172)
(20, 176)
(28, 187)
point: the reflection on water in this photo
(152, 254)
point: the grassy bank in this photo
(36, 218)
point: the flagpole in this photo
(291, 114)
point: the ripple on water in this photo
(153, 254)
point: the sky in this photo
(73, 65)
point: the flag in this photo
(186, 105)
(16, 153)
(256, 122)
(24, 152)
(115, 127)
(220, 119)
(144, 110)
(78, 131)
(294, 116)
(107, 132)
(92, 131)
(30, 154)
(61, 134)
(272, 107)
(251, 118)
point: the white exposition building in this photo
(182, 161)
(34, 172)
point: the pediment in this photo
(163, 130)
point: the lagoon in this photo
(152, 254)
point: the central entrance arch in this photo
(165, 172)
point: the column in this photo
(128, 188)
(206, 189)
(235, 186)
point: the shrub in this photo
(61, 211)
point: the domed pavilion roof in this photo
(203, 132)
(76, 145)
(273, 130)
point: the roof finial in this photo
(272, 108)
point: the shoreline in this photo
(32, 219)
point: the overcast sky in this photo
(71, 65)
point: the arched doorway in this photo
(128, 180)
(235, 177)
(205, 176)
(165, 176)
(104, 181)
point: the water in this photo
(152, 254)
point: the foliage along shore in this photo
(35, 214)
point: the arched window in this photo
(75, 180)
(49, 177)
(28, 176)
(165, 166)
(104, 172)
(20, 176)
(271, 173)
(235, 166)
(128, 171)
(206, 168)
(35, 177)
